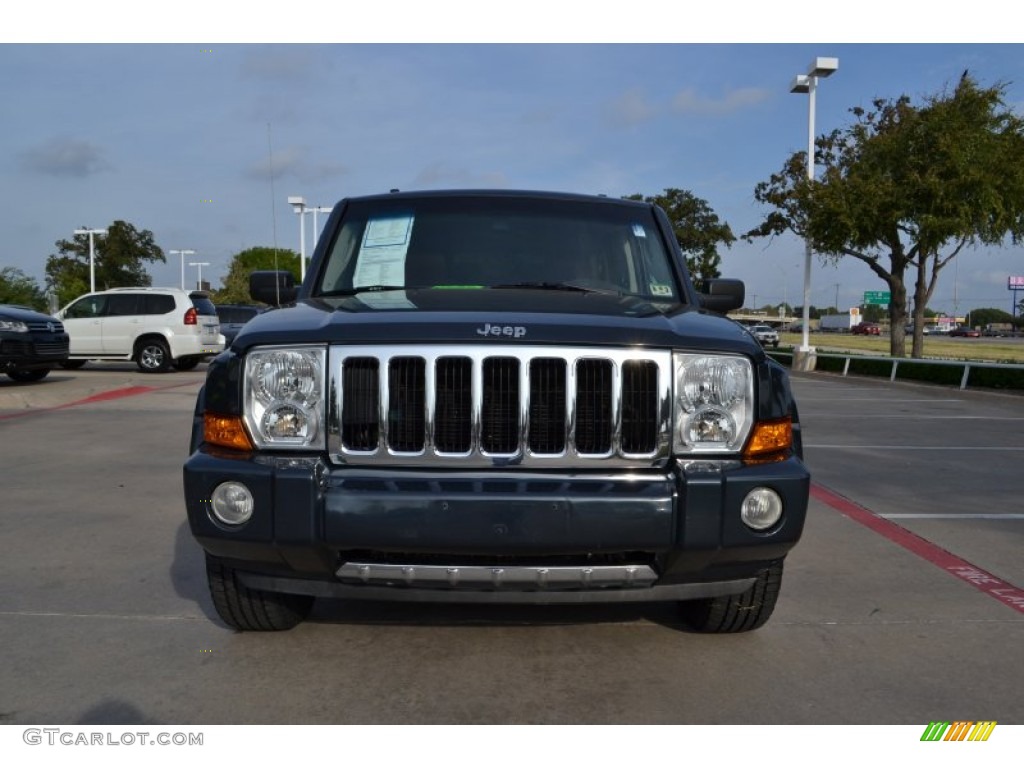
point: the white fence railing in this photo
(967, 365)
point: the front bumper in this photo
(494, 536)
(32, 351)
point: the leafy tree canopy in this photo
(235, 286)
(120, 258)
(18, 288)
(985, 315)
(905, 188)
(697, 228)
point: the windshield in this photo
(497, 242)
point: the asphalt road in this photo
(105, 617)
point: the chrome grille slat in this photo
(453, 406)
(406, 405)
(546, 426)
(360, 390)
(45, 326)
(484, 406)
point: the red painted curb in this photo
(112, 394)
(977, 577)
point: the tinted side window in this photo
(89, 306)
(158, 304)
(236, 314)
(203, 304)
(121, 304)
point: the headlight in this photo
(284, 397)
(13, 325)
(714, 403)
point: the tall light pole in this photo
(199, 264)
(92, 254)
(804, 358)
(183, 254)
(316, 227)
(298, 205)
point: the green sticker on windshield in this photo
(657, 289)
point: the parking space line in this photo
(991, 585)
(124, 616)
(959, 516)
(831, 399)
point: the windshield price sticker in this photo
(382, 256)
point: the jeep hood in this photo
(495, 316)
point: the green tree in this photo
(986, 315)
(235, 285)
(120, 257)
(872, 313)
(697, 228)
(905, 189)
(18, 288)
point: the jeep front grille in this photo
(473, 406)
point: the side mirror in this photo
(274, 287)
(722, 294)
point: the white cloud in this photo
(65, 156)
(440, 175)
(283, 63)
(633, 108)
(689, 102)
(294, 162)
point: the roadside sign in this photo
(877, 297)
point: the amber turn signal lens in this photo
(770, 437)
(226, 431)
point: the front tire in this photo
(36, 374)
(736, 613)
(252, 610)
(153, 356)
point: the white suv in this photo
(766, 335)
(155, 327)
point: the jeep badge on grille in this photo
(516, 331)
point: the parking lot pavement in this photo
(941, 463)
(105, 615)
(63, 388)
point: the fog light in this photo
(232, 503)
(761, 509)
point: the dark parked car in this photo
(233, 317)
(964, 332)
(31, 343)
(498, 397)
(866, 329)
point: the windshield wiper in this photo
(542, 286)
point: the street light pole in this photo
(92, 254)
(199, 264)
(804, 357)
(298, 205)
(316, 227)
(183, 253)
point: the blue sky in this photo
(178, 137)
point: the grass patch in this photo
(935, 347)
(914, 369)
